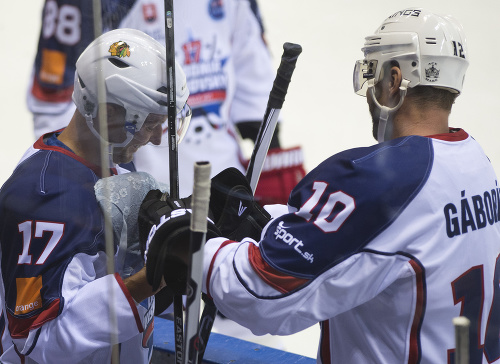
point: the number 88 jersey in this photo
(67, 29)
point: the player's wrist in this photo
(139, 288)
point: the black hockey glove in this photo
(152, 209)
(166, 244)
(236, 213)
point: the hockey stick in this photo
(206, 323)
(277, 95)
(461, 324)
(199, 205)
(173, 156)
(171, 107)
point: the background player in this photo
(58, 303)
(383, 245)
(221, 46)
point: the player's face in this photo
(383, 96)
(150, 132)
(374, 110)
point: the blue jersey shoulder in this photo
(344, 203)
(48, 213)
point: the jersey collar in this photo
(454, 135)
(58, 146)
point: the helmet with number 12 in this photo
(430, 50)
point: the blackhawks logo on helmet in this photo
(120, 49)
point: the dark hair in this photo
(425, 96)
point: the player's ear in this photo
(115, 119)
(396, 77)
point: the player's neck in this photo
(412, 120)
(80, 140)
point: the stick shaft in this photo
(171, 106)
(206, 323)
(173, 156)
(261, 148)
(199, 205)
(276, 99)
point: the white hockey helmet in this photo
(430, 49)
(133, 67)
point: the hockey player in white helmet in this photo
(59, 303)
(427, 49)
(382, 245)
(134, 79)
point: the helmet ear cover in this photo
(132, 67)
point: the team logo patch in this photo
(216, 9)
(119, 49)
(282, 234)
(432, 72)
(53, 66)
(28, 296)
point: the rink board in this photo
(221, 349)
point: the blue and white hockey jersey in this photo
(58, 302)
(383, 246)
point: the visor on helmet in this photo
(182, 121)
(364, 70)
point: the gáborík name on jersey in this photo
(472, 212)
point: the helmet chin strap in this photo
(90, 123)
(384, 131)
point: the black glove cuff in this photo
(167, 238)
(235, 211)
